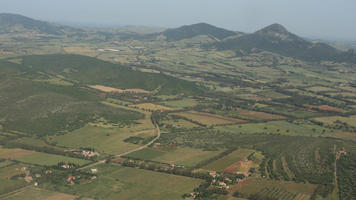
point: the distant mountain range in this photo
(274, 38)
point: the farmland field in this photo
(207, 118)
(115, 90)
(181, 103)
(14, 153)
(5, 163)
(228, 160)
(40, 194)
(151, 106)
(8, 184)
(278, 127)
(351, 120)
(104, 140)
(276, 189)
(249, 114)
(320, 89)
(180, 123)
(115, 182)
(39, 158)
(179, 156)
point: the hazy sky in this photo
(333, 19)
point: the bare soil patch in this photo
(328, 108)
(260, 114)
(115, 90)
(14, 153)
(240, 167)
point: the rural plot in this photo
(351, 120)
(207, 118)
(175, 155)
(183, 103)
(108, 140)
(5, 163)
(345, 126)
(39, 158)
(328, 108)
(248, 114)
(179, 123)
(118, 182)
(6, 183)
(103, 140)
(258, 115)
(142, 124)
(151, 107)
(320, 89)
(115, 90)
(277, 127)
(38, 194)
(14, 153)
(276, 189)
(235, 162)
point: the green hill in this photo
(31, 105)
(88, 71)
(275, 38)
(190, 31)
(14, 22)
(41, 109)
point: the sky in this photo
(317, 19)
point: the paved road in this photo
(130, 151)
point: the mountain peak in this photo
(279, 33)
(274, 28)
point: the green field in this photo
(351, 120)
(277, 189)
(104, 140)
(179, 156)
(320, 89)
(117, 182)
(180, 123)
(39, 158)
(38, 194)
(184, 103)
(5, 163)
(8, 184)
(226, 161)
(207, 118)
(278, 127)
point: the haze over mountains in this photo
(274, 38)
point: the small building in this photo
(212, 174)
(222, 184)
(28, 179)
(70, 179)
(65, 166)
